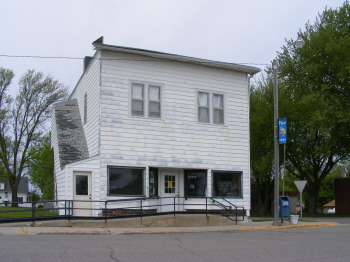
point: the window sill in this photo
(147, 118)
(228, 197)
(134, 196)
(210, 124)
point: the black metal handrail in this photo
(228, 209)
(65, 209)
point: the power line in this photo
(105, 59)
(34, 56)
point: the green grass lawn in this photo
(284, 219)
(19, 212)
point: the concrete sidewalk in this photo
(88, 227)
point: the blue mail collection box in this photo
(284, 207)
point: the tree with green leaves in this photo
(327, 189)
(41, 167)
(22, 120)
(261, 142)
(314, 97)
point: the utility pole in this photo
(276, 184)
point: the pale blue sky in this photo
(249, 31)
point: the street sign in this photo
(300, 185)
(282, 130)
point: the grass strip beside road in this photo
(285, 218)
(288, 227)
(19, 212)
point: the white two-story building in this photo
(141, 123)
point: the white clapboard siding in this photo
(87, 165)
(54, 142)
(60, 176)
(176, 140)
(61, 188)
(89, 84)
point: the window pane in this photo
(203, 99)
(153, 182)
(195, 182)
(227, 184)
(154, 93)
(137, 107)
(81, 185)
(125, 181)
(218, 116)
(169, 184)
(218, 101)
(137, 91)
(154, 109)
(203, 114)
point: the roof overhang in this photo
(99, 45)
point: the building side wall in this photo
(9, 196)
(54, 142)
(89, 165)
(177, 140)
(60, 185)
(89, 84)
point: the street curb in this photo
(287, 227)
(108, 232)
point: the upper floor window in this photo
(210, 108)
(154, 101)
(203, 107)
(218, 109)
(146, 100)
(138, 98)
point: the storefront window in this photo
(125, 181)
(195, 183)
(227, 184)
(153, 182)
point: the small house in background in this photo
(293, 202)
(293, 199)
(142, 123)
(23, 194)
(329, 207)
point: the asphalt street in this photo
(294, 244)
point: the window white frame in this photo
(146, 99)
(211, 107)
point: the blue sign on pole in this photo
(282, 130)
